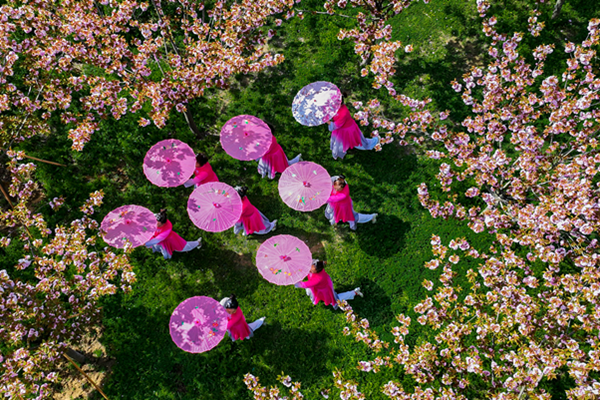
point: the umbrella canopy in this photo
(246, 137)
(198, 324)
(305, 186)
(131, 223)
(214, 207)
(169, 163)
(316, 103)
(283, 260)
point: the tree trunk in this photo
(192, 124)
(557, 8)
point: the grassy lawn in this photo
(385, 259)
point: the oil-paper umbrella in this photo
(169, 163)
(131, 223)
(316, 103)
(214, 207)
(246, 137)
(305, 186)
(198, 324)
(283, 260)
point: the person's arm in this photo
(158, 238)
(310, 283)
(337, 197)
(201, 176)
(332, 127)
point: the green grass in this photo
(300, 339)
(385, 260)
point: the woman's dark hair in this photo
(161, 216)
(242, 190)
(201, 159)
(270, 126)
(344, 96)
(230, 302)
(319, 265)
(341, 180)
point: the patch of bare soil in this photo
(74, 385)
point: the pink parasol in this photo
(246, 137)
(198, 324)
(316, 103)
(214, 207)
(169, 163)
(283, 260)
(135, 224)
(305, 186)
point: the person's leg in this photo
(165, 253)
(264, 169)
(350, 294)
(256, 324)
(337, 148)
(309, 293)
(192, 245)
(346, 295)
(237, 228)
(329, 214)
(367, 144)
(364, 218)
(294, 160)
(269, 226)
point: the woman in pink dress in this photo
(252, 221)
(237, 327)
(166, 241)
(203, 172)
(319, 287)
(274, 160)
(340, 207)
(345, 134)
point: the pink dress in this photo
(204, 174)
(237, 326)
(251, 218)
(167, 239)
(275, 158)
(346, 129)
(321, 286)
(342, 205)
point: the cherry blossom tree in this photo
(85, 60)
(372, 37)
(50, 299)
(523, 170)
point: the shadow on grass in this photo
(303, 345)
(385, 238)
(376, 306)
(162, 370)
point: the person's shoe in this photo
(374, 220)
(300, 157)
(199, 242)
(358, 292)
(274, 225)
